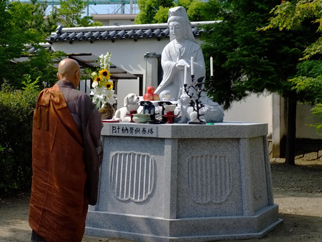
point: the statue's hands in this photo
(182, 63)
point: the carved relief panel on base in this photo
(209, 178)
(132, 176)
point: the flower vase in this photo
(107, 111)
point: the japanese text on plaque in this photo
(145, 131)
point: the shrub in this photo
(16, 111)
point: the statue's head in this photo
(179, 24)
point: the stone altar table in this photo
(184, 182)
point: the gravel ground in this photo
(297, 191)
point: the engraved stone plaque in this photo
(209, 178)
(133, 130)
(132, 176)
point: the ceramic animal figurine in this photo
(184, 102)
(130, 102)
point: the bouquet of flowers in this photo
(102, 91)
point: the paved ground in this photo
(297, 190)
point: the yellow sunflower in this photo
(105, 73)
(97, 79)
(109, 85)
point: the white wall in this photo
(125, 87)
(304, 118)
(127, 54)
(115, 22)
(252, 109)
(118, 22)
(104, 21)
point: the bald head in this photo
(69, 70)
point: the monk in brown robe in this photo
(66, 155)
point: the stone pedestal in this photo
(184, 182)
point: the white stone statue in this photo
(177, 54)
(130, 104)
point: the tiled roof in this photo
(31, 50)
(114, 33)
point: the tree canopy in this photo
(293, 16)
(296, 15)
(71, 14)
(247, 60)
(156, 11)
(22, 26)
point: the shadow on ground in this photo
(16, 234)
(297, 190)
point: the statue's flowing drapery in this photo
(173, 79)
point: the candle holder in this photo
(170, 116)
(194, 92)
(131, 114)
(170, 113)
(192, 78)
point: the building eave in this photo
(113, 33)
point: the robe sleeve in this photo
(93, 151)
(168, 70)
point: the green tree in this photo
(162, 15)
(150, 8)
(309, 81)
(71, 12)
(41, 66)
(294, 16)
(23, 24)
(203, 11)
(14, 34)
(250, 61)
(184, 3)
(39, 21)
(156, 11)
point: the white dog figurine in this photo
(131, 100)
(184, 102)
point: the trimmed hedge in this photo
(16, 111)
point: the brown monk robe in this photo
(66, 156)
